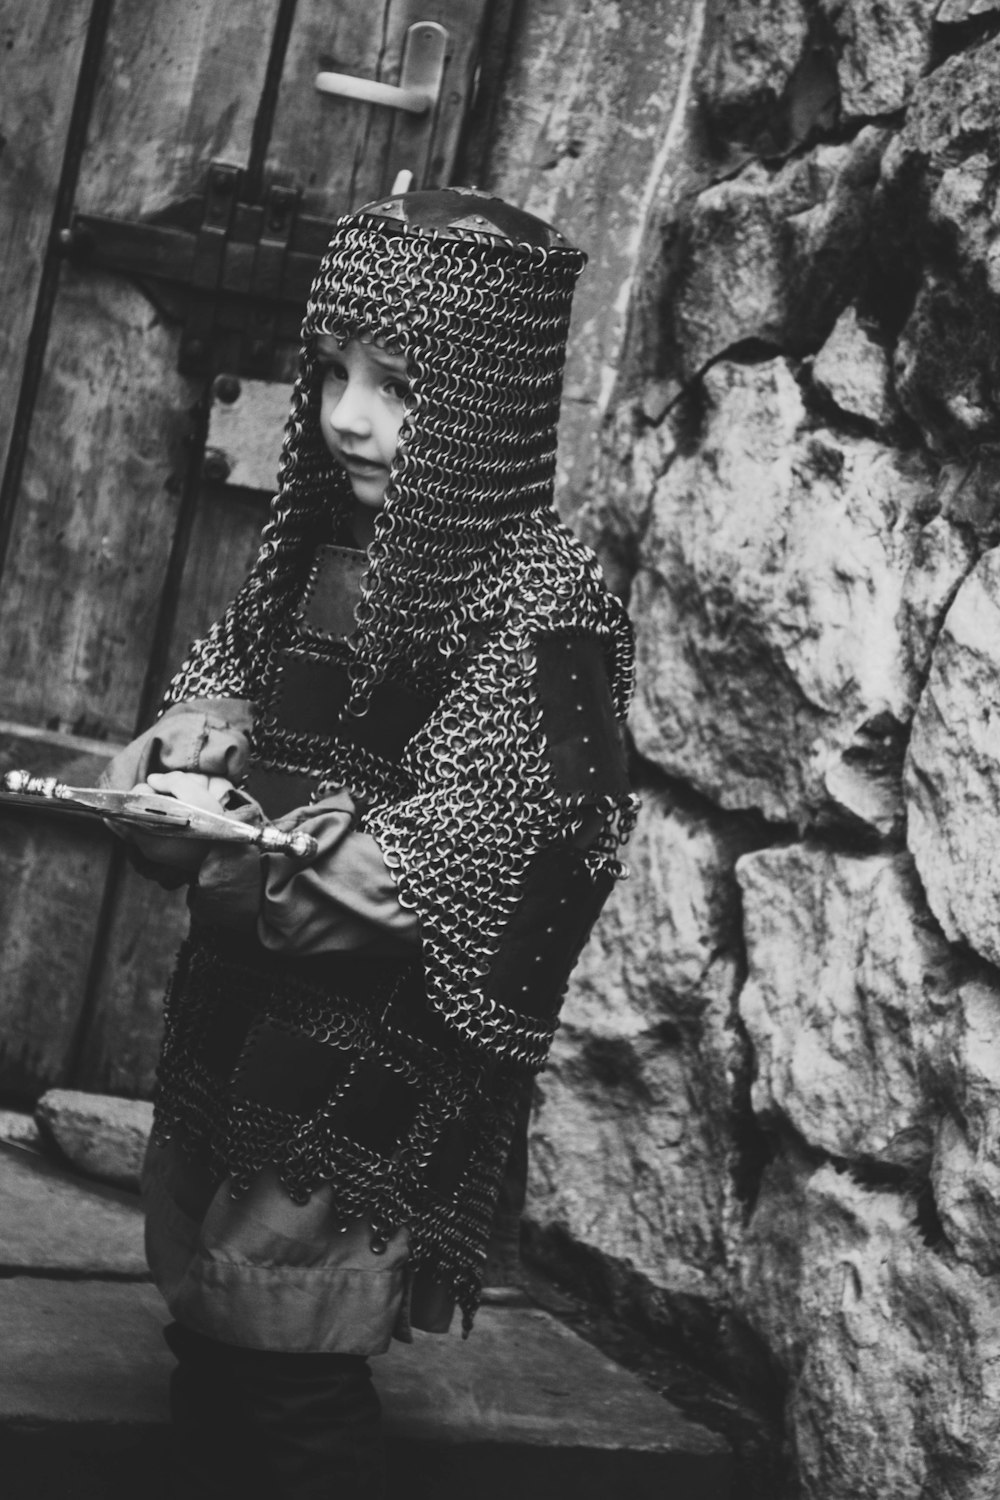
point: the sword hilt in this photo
(179, 819)
(26, 785)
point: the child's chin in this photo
(371, 496)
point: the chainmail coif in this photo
(472, 583)
(483, 322)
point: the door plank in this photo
(96, 514)
(52, 874)
(100, 491)
(122, 1044)
(223, 547)
(99, 502)
(326, 143)
(180, 85)
(147, 924)
(337, 148)
(40, 49)
(336, 152)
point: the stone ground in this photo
(525, 1404)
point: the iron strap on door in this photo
(217, 264)
(236, 272)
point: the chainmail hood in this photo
(477, 295)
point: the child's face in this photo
(361, 411)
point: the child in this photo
(425, 672)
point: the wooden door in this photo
(120, 540)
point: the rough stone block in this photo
(667, 944)
(936, 203)
(102, 1136)
(882, 50)
(753, 53)
(853, 370)
(966, 1174)
(774, 256)
(630, 1138)
(846, 976)
(954, 12)
(952, 774)
(788, 591)
(18, 1127)
(892, 1348)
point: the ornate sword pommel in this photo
(26, 785)
(273, 841)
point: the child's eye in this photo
(332, 369)
(398, 388)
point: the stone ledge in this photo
(523, 1407)
(56, 1224)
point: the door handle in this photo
(420, 75)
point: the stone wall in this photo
(773, 1111)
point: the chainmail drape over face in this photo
(507, 810)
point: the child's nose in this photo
(349, 413)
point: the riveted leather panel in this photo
(582, 736)
(332, 593)
(285, 1070)
(377, 1108)
(309, 694)
(309, 699)
(559, 904)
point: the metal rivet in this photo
(227, 389)
(215, 465)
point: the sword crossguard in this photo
(273, 841)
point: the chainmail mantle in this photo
(472, 583)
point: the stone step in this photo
(524, 1407)
(54, 1223)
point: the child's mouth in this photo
(362, 467)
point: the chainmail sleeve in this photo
(511, 844)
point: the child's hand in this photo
(198, 790)
(193, 787)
